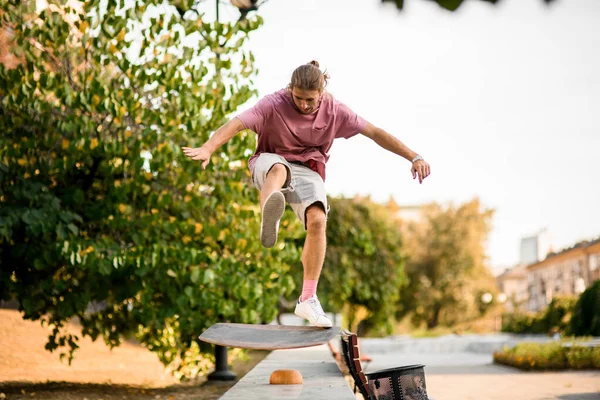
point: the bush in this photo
(522, 323)
(549, 356)
(586, 313)
(555, 318)
(558, 314)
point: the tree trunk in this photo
(434, 320)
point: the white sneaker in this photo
(311, 310)
(271, 214)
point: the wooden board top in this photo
(267, 337)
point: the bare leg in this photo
(313, 254)
(276, 178)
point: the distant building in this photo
(566, 273)
(513, 283)
(535, 248)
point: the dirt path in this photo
(28, 371)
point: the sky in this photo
(502, 101)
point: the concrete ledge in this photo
(321, 375)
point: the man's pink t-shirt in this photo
(307, 138)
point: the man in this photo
(296, 127)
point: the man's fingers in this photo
(421, 171)
(204, 164)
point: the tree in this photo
(446, 264)
(585, 320)
(97, 203)
(451, 5)
(363, 265)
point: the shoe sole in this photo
(272, 213)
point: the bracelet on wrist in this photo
(417, 158)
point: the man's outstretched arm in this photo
(419, 168)
(219, 138)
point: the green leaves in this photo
(101, 215)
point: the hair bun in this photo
(315, 63)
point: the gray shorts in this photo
(303, 186)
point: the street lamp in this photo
(486, 298)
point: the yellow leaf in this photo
(22, 162)
(113, 49)
(172, 219)
(187, 198)
(95, 100)
(83, 26)
(121, 35)
(88, 250)
(138, 119)
(154, 211)
(197, 228)
(94, 143)
(117, 183)
(122, 208)
(65, 144)
(186, 239)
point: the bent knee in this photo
(278, 169)
(316, 219)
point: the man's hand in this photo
(421, 169)
(198, 153)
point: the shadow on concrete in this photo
(580, 396)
